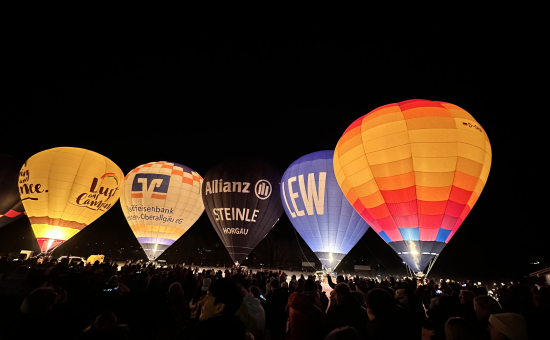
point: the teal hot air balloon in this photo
(318, 209)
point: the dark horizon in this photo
(212, 98)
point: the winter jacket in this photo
(307, 321)
(349, 312)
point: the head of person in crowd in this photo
(507, 326)
(485, 305)
(310, 288)
(300, 286)
(344, 333)
(359, 297)
(154, 282)
(340, 278)
(380, 304)
(255, 291)
(342, 291)
(275, 284)
(39, 301)
(460, 329)
(466, 296)
(224, 297)
(113, 280)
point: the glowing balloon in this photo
(64, 190)
(318, 209)
(161, 201)
(242, 201)
(11, 207)
(414, 170)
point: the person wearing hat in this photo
(305, 317)
(348, 311)
(507, 326)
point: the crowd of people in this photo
(62, 300)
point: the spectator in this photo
(445, 308)
(275, 305)
(506, 326)
(388, 320)
(217, 318)
(467, 305)
(460, 329)
(348, 311)
(484, 306)
(305, 316)
(252, 315)
(105, 327)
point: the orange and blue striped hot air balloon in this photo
(414, 170)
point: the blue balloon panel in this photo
(316, 206)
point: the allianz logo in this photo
(262, 189)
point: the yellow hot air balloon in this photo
(65, 189)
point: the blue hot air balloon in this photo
(318, 209)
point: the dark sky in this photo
(199, 96)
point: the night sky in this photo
(200, 96)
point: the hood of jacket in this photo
(300, 302)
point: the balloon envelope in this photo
(64, 190)
(414, 170)
(161, 201)
(11, 207)
(242, 201)
(319, 210)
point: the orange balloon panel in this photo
(414, 170)
(64, 190)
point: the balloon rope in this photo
(432, 264)
(300, 245)
(409, 269)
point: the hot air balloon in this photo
(414, 170)
(318, 209)
(161, 201)
(65, 189)
(11, 207)
(242, 201)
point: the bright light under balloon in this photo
(318, 209)
(414, 170)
